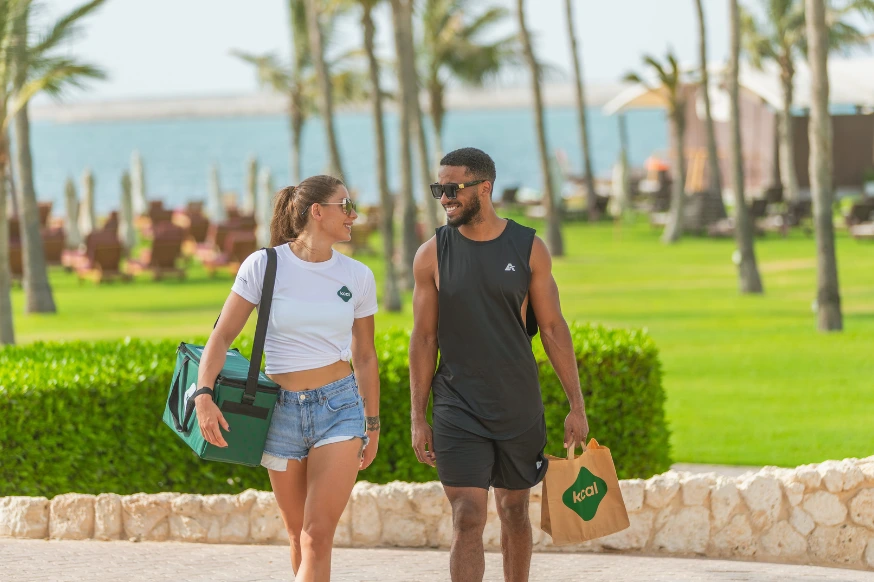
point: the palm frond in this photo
(59, 76)
(65, 28)
(268, 69)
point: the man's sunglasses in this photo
(347, 203)
(451, 190)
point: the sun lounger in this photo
(163, 255)
(237, 246)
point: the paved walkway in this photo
(56, 561)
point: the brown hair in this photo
(291, 205)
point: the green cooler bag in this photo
(242, 392)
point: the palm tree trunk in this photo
(591, 194)
(437, 113)
(408, 62)
(409, 239)
(325, 93)
(7, 332)
(36, 280)
(674, 228)
(828, 297)
(749, 280)
(553, 227)
(788, 175)
(295, 123)
(712, 152)
(391, 297)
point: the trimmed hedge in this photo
(86, 417)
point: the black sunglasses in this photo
(348, 206)
(451, 190)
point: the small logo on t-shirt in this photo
(510, 267)
(345, 294)
(240, 277)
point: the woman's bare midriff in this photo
(312, 379)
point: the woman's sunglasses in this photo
(347, 203)
(451, 190)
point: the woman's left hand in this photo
(369, 452)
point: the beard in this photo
(469, 213)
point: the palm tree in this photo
(671, 89)
(553, 225)
(326, 95)
(299, 80)
(453, 49)
(828, 297)
(408, 62)
(781, 38)
(591, 194)
(749, 280)
(408, 91)
(41, 67)
(8, 10)
(391, 296)
(712, 153)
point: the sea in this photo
(178, 152)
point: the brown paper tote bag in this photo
(581, 497)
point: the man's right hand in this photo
(423, 442)
(210, 417)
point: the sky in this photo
(174, 48)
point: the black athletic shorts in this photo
(465, 459)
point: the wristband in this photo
(204, 390)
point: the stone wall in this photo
(814, 514)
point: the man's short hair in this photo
(478, 163)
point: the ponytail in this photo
(292, 203)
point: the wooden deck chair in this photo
(104, 263)
(238, 245)
(16, 264)
(45, 210)
(53, 240)
(164, 254)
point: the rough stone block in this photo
(24, 517)
(825, 508)
(71, 517)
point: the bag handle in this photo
(261, 327)
(175, 401)
(593, 444)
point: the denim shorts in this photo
(313, 418)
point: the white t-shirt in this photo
(314, 306)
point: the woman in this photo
(324, 430)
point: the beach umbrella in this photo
(87, 217)
(138, 185)
(71, 225)
(126, 230)
(264, 207)
(251, 186)
(215, 209)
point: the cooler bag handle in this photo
(174, 403)
(261, 328)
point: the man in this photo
(483, 284)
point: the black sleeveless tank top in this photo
(486, 381)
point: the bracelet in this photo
(371, 423)
(204, 390)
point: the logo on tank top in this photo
(345, 294)
(510, 267)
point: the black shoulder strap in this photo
(261, 327)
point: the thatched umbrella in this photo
(138, 185)
(87, 216)
(249, 202)
(215, 208)
(71, 225)
(264, 207)
(126, 230)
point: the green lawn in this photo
(749, 379)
